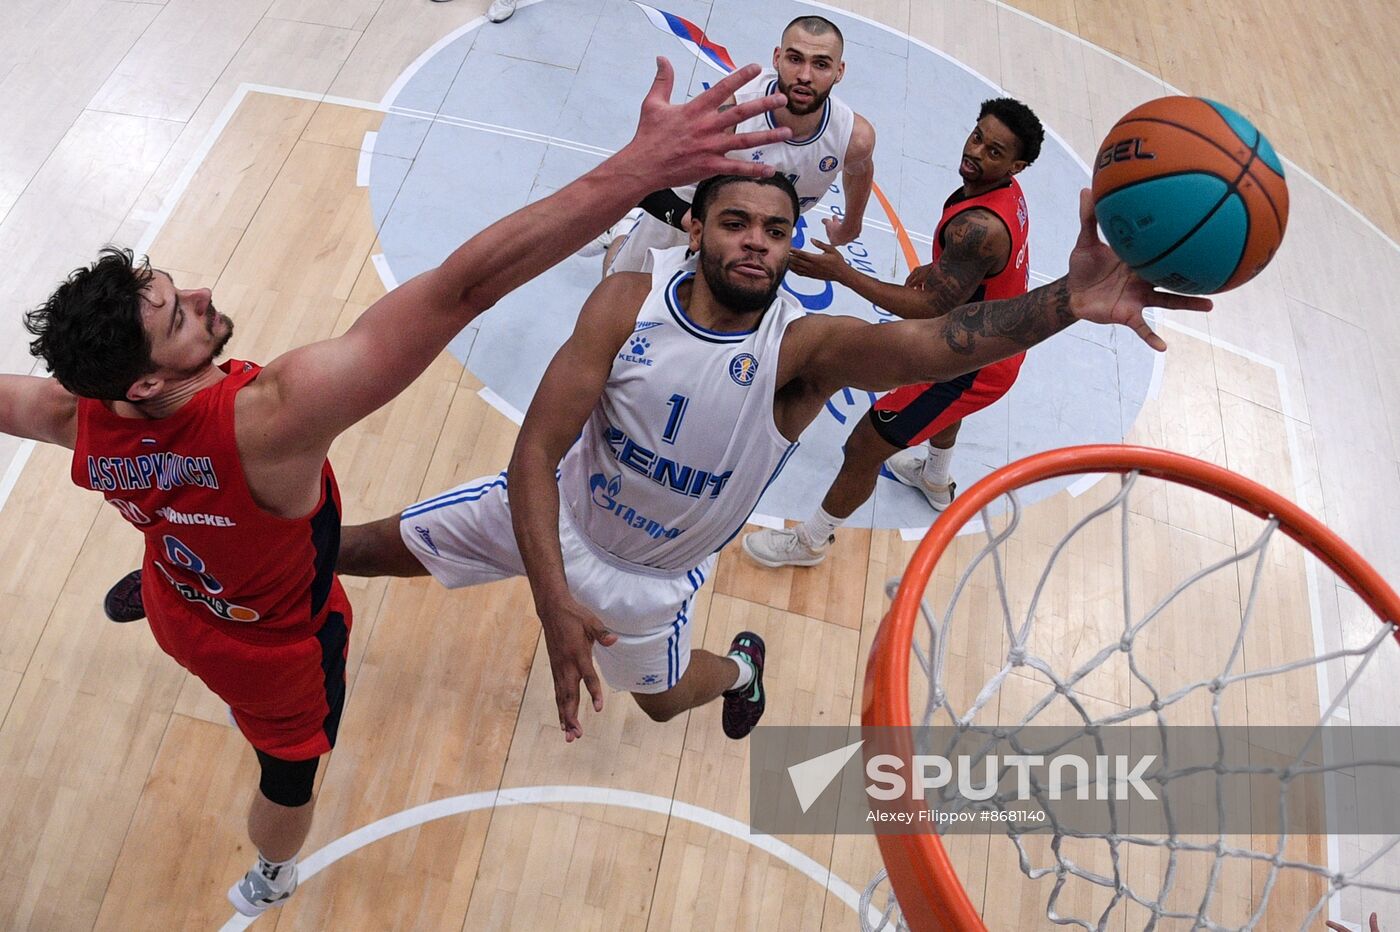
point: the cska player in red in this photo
(980, 253)
(223, 466)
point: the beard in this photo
(737, 298)
(818, 99)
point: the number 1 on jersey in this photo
(677, 404)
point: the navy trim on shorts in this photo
(915, 417)
(325, 539)
(333, 637)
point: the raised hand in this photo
(827, 266)
(689, 142)
(840, 231)
(918, 275)
(570, 630)
(1104, 290)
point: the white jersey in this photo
(683, 442)
(811, 164)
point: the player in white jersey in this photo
(829, 140)
(676, 401)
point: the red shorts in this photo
(911, 414)
(287, 698)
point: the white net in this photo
(1227, 639)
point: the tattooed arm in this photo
(975, 245)
(829, 353)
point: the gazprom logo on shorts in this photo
(743, 368)
(604, 492)
(828, 164)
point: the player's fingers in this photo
(566, 697)
(1148, 335)
(597, 631)
(660, 92)
(825, 247)
(724, 89)
(595, 688)
(1180, 302)
(757, 139)
(1375, 923)
(1088, 226)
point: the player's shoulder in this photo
(613, 306)
(862, 141)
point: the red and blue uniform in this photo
(246, 600)
(911, 414)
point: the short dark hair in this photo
(89, 331)
(1022, 122)
(705, 192)
(817, 26)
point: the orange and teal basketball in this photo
(1190, 195)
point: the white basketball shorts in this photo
(464, 538)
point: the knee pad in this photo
(286, 782)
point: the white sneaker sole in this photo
(777, 564)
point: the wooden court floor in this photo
(123, 788)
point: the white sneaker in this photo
(500, 10)
(600, 243)
(908, 467)
(257, 892)
(784, 548)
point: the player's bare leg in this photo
(279, 819)
(737, 676)
(807, 544)
(278, 832)
(928, 470)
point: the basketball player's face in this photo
(187, 333)
(991, 153)
(808, 68)
(744, 244)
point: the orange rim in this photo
(924, 881)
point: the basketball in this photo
(1190, 195)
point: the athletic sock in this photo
(817, 530)
(936, 465)
(745, 671)
(276, 872)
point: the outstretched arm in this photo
(38, 409)
(975, 243)
(311, 394)
(834, 352)
(857, 176)
(563, 401)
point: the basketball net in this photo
(1069, 654)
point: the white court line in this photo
(362, 167)
(386, 274)
(7, 482)
(500, 404)
(586, 795)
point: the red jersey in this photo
(1009, 204)
(212, 553)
